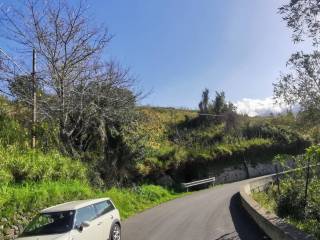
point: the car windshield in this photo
(50, 223)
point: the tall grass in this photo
(17, 166)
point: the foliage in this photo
(11, 132)
(216, 111)
(302, 17)
(18, 166)
(85, 104)
(173, 140)
(302, 84)
(266, 199)
(278, 134)
(297, 198)
(204, 104)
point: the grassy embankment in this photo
(174, 140)
(32, 180)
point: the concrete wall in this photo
(240, 172)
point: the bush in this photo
(290, 202)
(293, 202)
(11, 132)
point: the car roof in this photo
(74, 205)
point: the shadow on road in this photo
(245, 227)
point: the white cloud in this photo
(260, 107)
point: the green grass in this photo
(132, 201)
(265, 201)
(17, 166)
(18, 203)
(173, 139)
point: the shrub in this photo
(298, 198)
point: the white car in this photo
(96, 219)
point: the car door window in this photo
(85, 214)
(103, 207)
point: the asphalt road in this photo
(210, 214)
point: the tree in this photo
(78, 84)
(301, 85)
(302, 16)
(203, 105)
(219, 105)
(231, 118)
(217, 111)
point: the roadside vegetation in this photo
(296, 197)
(33, 179)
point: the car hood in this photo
(46, 237)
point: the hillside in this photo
(180, 147)
(172, 146)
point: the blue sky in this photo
(176, 48)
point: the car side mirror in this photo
(82, 226)
(85, 224)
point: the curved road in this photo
(210, 214)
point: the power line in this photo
(14, 62)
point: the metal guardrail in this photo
(199, 182)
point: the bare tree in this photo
(77, 85)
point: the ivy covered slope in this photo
(177, 137)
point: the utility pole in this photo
(34, 91)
